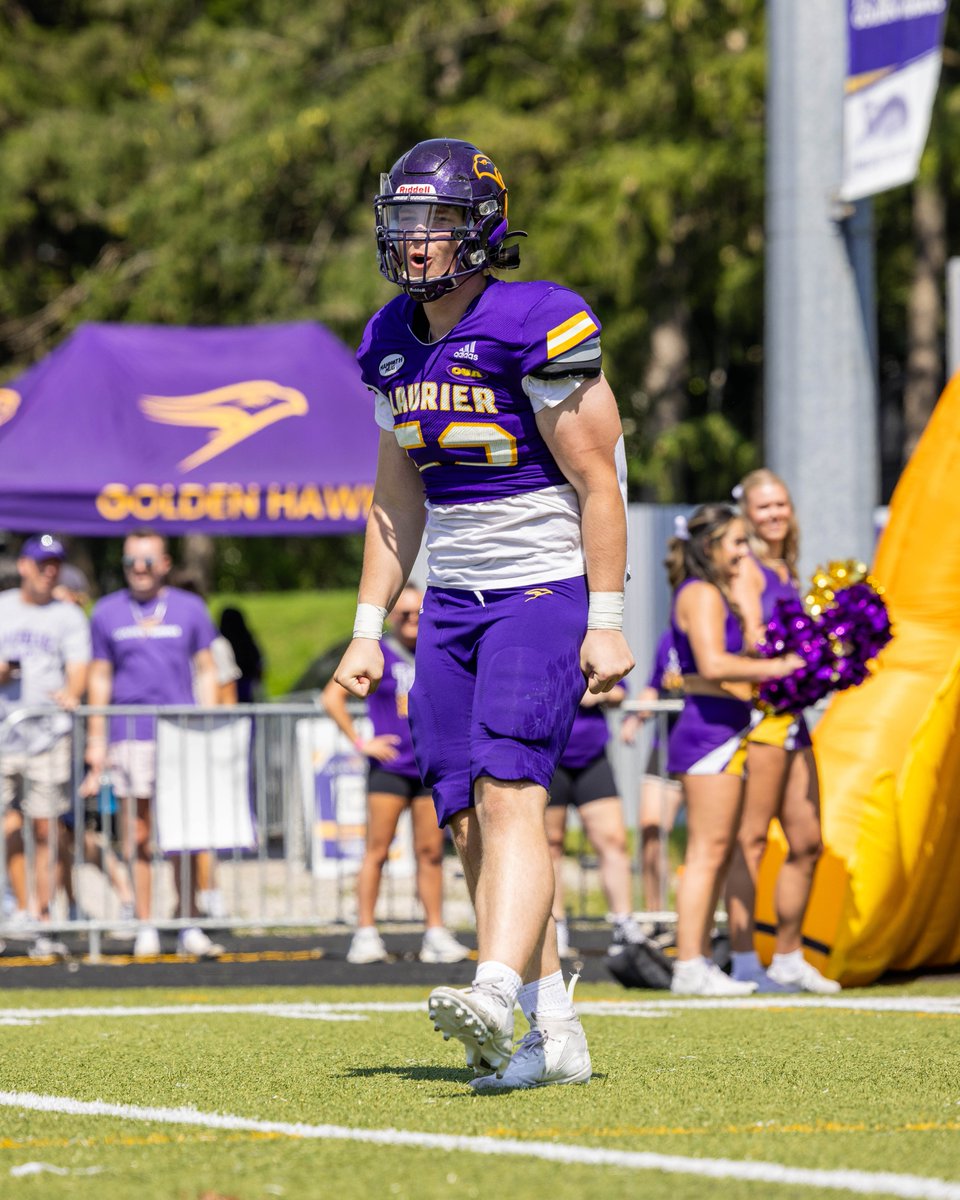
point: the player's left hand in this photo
(604, 659)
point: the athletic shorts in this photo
(407, 787)
(37, 784)
(497, 687)
(133, 768)
(788, 731)
(580, 785)
(710, 737)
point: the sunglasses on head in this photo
(131, 560)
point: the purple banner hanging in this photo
(893, 67)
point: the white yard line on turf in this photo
(865, 1183)
(356, 1011)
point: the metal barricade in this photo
(272, 793)
(258, 788)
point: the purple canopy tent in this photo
(258, 430)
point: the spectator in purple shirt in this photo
(148, 641)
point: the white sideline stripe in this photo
(301, 1012)
(356, 1010)
(904, 1004)
(912, 1187)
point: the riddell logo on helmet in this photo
(416, 189)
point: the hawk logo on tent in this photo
(9, 403)
(232, 413)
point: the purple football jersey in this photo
(459, 403)
(388, 709)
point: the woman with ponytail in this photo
(706, 746)
(782, 777)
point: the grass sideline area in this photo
(349, 1101)
(293, 628)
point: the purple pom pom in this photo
(835, 646)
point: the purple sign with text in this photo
(893, 68)
(259, 430)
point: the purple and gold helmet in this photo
(442, 190)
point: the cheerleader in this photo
(706, 749)
(782, 777)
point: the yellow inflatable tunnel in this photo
(887, 891)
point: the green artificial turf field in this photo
(812, 1086)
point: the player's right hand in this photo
(361, 667)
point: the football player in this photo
(501, 435)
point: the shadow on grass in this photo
(435, 1074)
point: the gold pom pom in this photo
(828, 580)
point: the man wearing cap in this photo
(44, 658)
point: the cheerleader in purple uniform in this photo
(782, 777)
(706, 747)
(394, 784)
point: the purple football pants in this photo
(497, 686)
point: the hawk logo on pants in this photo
(536, 593)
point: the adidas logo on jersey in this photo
(469, 350)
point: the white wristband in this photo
(369, 621)
(605, 611)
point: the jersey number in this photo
(499, 446)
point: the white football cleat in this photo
(482, 1019)
(554, 1051)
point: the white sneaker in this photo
(554, 1051)
(19, 922)
(628, 932)
(481, 1019)
(366, 946)
(805, 978)
(194, 943)
(147, 943)
(47, 947)
(211, 903)
(698, 977)
(440, 946)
